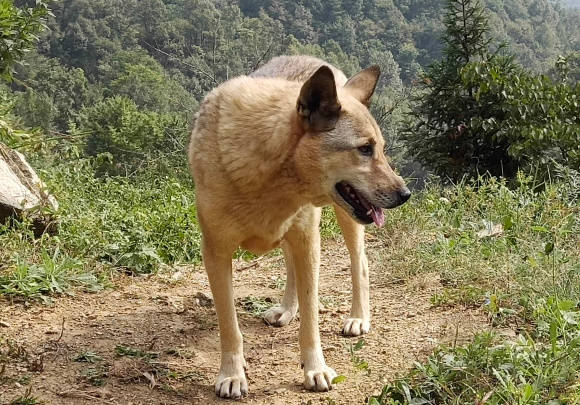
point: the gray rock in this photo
(22, 191)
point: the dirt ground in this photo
(154, 340)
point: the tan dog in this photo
(265, 154)
(300, 68)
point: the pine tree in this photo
(441, 135)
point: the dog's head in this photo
(351, 167)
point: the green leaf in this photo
(359, 345)
(339, 379)
(548, 248)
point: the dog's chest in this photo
(266, 231)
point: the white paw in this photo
(355, 327)
(319, 379)
(234, 386)
(279, 315)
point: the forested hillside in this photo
(165, 55)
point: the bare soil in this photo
(157, 338)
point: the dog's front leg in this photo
(304, 247)
(231, 381)
(359, 321)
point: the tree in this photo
(53, 95)
(536, 117)
(18, 29)
(127, 139)
(440, 133)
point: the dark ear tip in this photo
(324, 71)
(375, 69)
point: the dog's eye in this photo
(366, 150)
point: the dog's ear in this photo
(318, 103)
(362, 85)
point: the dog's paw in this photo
(319, 379)
(355, 327)
(279, 315)
(234, 387)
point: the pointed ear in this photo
(318, 103)
(362, 85)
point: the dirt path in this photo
(151, 332)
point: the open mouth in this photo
(362, 208)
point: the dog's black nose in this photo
(404, 194)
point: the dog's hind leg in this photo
(282, 314)
(304, 248)
(231, 381)
(359, 320)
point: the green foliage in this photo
(525, 275)
(440, 133)
(127, 138)
(536, 368)
(88, 357)
(479, 112)
(54, 274)
(537, 118)
(53, 94)
(142, 79)
(18, 30)
(133, 225)
(142, 222)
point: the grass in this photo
(26, 399)
(537, 367)
(525, 274)
(256, 306)
(106, 225)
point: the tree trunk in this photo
(22, 193)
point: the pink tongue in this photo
(378, 216)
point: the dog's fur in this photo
(300, 68)
(265, 154)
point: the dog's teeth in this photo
(369, 212)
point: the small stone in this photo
(203, 300)
(4, 324)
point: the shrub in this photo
(129, 139)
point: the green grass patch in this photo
(515, 251)
(537, 367)
(105, 224)
(128, 351)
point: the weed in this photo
(182, 353)
(88, 357)
(533, 368)
(104, 224)
(95, 376)
(468, 296)
(278, 283)
(26, 399)
(256, 305)
(359, 363)
(121, 351)
(53, 275)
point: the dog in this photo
(300, 68)
(266, 153)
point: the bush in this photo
(536, 117)
(128, 139)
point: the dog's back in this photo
(297, 68)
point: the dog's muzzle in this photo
(392, 199)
